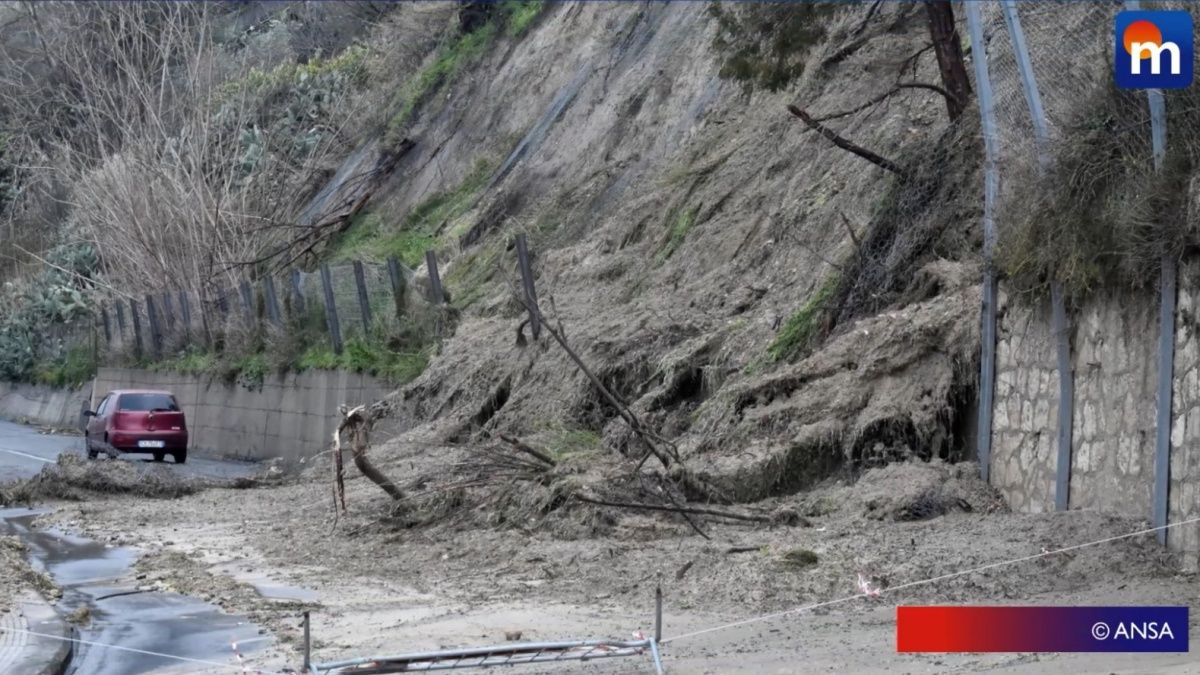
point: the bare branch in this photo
(844, 144)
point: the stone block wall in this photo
(1114, 351)
(1026, 408)
(1183, 502)
(1115, 357)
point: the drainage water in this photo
(167, 623)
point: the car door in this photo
(95, 425)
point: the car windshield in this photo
(148, 402)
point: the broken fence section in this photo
(502, 655)
(514, 654)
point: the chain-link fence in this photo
(1092, 217)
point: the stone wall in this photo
(1184, 495)
(1115, 357)
(290, 416)
(42, 405)
(1114, 352)
(1026, 408)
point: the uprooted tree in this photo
(357, 422)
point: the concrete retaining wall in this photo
(291, 416)
(1114, 349)
(42, 405)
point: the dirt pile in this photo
(75, 478)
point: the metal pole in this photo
(1058, 301)
(987, 333)
(307, 643)
(658, 614)
(331, 316)
(1166, 327)
(364, 300)
(435, 279)
(398, 285)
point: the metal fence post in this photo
(247, 301)
(987, 360)
(1166, 328)
(307, 642)
(107, 328)
(137, 327)
(297, 294)
(364, 301)
(658, 613)
(120, 311)
(1058, 301)
(168, 307)
(271, 300)
(535, 325)
(331, 317)
(222, 302)
(185, 313)
(155, 327)
(399, 285)
(437, 296)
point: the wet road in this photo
(24, 451)
(152, 631)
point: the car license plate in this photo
(150, 444)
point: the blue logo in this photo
(1153, 50)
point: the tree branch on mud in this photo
(848, 146)
(696, 510)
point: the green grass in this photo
(251, 370)
(350, 65)
(73, 369)
(520, 15)
(569, 442)
(370, 238)
(397, 367)
(797, 334)
(471, 275)
(450, 61)
(190, 363)
(683, 222)
(800, 558)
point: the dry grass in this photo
(1104, 216)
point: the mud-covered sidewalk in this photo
(377, 584)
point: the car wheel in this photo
(159, 456)
(180, 456)
(91, 452)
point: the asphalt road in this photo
(24, 451)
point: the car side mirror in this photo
(89, 413)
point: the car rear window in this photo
(135, 402)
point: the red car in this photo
(138, 421)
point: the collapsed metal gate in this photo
(486, 657)
(517, 653)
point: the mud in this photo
(383, 587)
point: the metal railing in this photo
(486, 657)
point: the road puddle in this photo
(150, 627)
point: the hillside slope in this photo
(677, 222)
